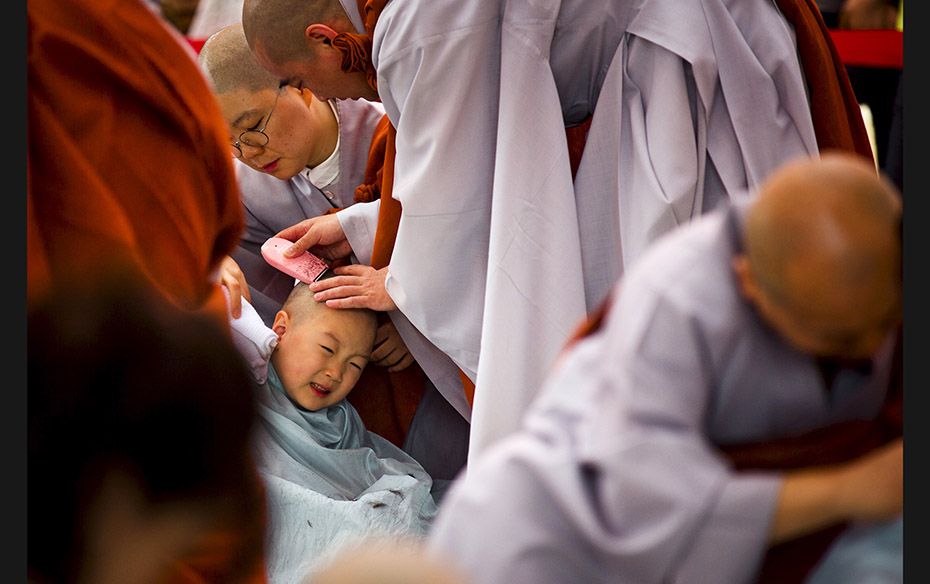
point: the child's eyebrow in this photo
(332, 336)
(338, 341)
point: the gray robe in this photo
(615, 474)
(330, 483)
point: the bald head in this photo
(229, 65)
(823, 251)
(277, 27)
(302, 307)
(836, 211)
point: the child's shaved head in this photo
(301, 306)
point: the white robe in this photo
(499, 255)
(212, 15)
(699, 100)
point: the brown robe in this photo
(386, 401)
(835, 111)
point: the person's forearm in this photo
(809, 500)
(869, 488)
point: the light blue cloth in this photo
(330, 482)
(864, 554)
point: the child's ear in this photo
(320, 32)
(279, 326)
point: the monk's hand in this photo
(872, 488)
(390, 350)
(354, 286)
(233, 279)
(322, 236)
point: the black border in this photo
(916, 291)
(14, 244)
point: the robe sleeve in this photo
(255, 341)
(612, 473)
(359, 222)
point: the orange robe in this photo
(127, 158)
(128, 168)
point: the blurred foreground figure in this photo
(128, 171)
(139, 420)
(735, 405)
(127, 159)
(382, 561)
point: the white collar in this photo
(325, 173)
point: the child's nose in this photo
(334, 371)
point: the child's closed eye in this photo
(327, 349)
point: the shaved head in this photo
(302, 307)
(836, 211)
(228, 64)
(321, 351)
(276, 27)
(822, 259)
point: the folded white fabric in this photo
(254, 340)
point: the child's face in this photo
(300, 129)
(320, 359)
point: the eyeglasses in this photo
(256, 138)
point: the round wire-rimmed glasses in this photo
(255, 138)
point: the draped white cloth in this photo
(616, 473)
(212, 15)
(499, 253)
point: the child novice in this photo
(329, 481)
(296, 157)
